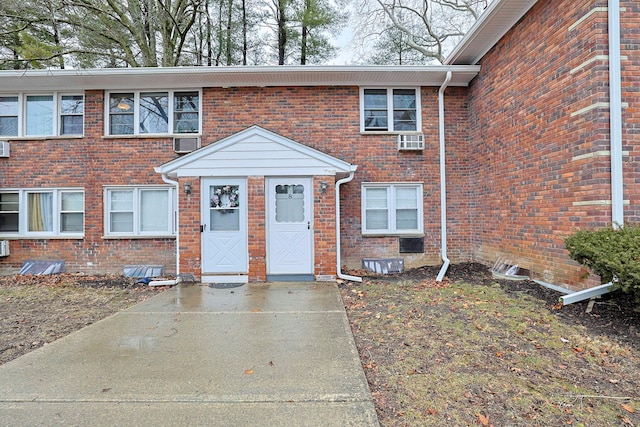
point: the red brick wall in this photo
(531, 186)
(90, 163)
(324, 118)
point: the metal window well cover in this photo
(139, 271)
(384, 265)
(42, 267)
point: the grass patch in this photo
(469, 354)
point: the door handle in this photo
(308, 225)
(203, 227)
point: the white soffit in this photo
(249, 76)
(498, 18)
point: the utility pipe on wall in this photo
(443, 181)
(615, 115)
(340, 274)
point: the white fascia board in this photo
(498, 18)
(249, 76)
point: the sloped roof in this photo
(495, 21)
(256, 151)
(247, 76)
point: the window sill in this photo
(41, 237)
(389, 234)
(132, 237)
(154, 135)
(390, 132)
(39, 137)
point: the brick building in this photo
(525, 134)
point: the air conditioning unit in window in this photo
(4, 248)
(4, 148)
(183, 145)
(410, 141)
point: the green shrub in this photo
(613, 254)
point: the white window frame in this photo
(56, 128)
(56, 232)
(136, 113)
(136, 212)
(391, 209)
(390, 109)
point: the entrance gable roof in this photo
(256, 151)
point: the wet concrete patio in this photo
(279, 354)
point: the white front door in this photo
(290, 227)
(224, 226)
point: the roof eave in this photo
(253, 76)
(498, 18)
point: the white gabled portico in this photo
(255, 210)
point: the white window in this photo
(153, 113)
(51, 114)
(139, 211)
(392, 209)
(42, 213)
(390, 110)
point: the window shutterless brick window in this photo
(389, 110)
(49, 114)
(139, 211)
(153, 113)
(42, 213)
(392, 209)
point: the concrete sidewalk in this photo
(256, 355)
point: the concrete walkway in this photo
(256, 355)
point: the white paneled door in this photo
(290, 226)
(224, 226)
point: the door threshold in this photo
(290, 278)
(224, 279)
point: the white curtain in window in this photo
(40, 211)
(153, 211)
(377, 214)
(406, 208)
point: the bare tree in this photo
(430, 27)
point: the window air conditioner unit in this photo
(4, 248)
(410, 141)
(186, 144)
(4, 148)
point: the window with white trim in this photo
(139, 211)
(153, 112)
(42, 213)
(49, 114)
(392, 209)
(390, 110)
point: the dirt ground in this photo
(470, 351)
(37, 310)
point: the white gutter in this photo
(340, 274)
(166, 179)
(443, 181)
(615, 115)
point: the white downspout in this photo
(340, 274)
(166, 179)
(615, 135)
(615, 115)
(443, 181)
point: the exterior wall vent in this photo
(410, 141)
(4, 148)
(185, 145)
(4, 248)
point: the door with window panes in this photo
(224, 226)
(290, 231)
